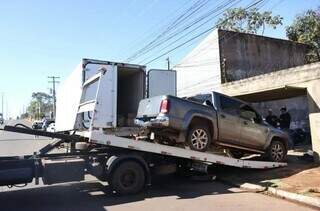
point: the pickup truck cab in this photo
(211, 119)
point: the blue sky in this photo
(42, 38)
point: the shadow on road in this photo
(95, 196)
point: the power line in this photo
(200, 34)
(191, 25)
(54, 82)
(185, 15)
(184, 28)
(150, 32)
(226, 37)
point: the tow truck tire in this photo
(277, 152)
(128, 178)
(199, 138)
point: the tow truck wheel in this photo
(277, 151)
(199, 138)
(128, 178)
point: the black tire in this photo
(236, 154)
(277, 151)
(199, 138)
(128, 178)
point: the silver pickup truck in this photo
(211, 119)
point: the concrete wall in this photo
(315, 135)
(246, 55)
(296, 106)
(199, 71)
(313, 89)
(306, 76)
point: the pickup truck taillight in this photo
(164, 106)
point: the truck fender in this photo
(268, 141)
(115, 160)
(192, 114)
(271, 137)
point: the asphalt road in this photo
(20, 144)
(166, 193)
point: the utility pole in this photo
(7, 112)
(39, 110)
(2, 103)
(168, 62)
(53, 80)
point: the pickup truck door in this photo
(253, 131)
(228, 121)
(162, 82)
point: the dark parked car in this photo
(37, 125)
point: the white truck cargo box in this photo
(123, 87)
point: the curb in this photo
(307, 200)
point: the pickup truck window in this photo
(247, 112)
(200, 98)
(229, 105)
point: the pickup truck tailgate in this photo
(149, 107)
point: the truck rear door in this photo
(162, 82)
(99, 98)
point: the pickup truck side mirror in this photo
(257, 119)
(208, 103)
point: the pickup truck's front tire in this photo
(199, 138)
(277, 151)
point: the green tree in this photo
(41, 103)
(248, 21)
(306, 29)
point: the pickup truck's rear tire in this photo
(128, 178)
(199, 138)
(277, 151)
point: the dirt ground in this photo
(305, 182)
(300, 176)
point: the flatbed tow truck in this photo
(126, 162)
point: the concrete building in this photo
(226, 56)
(268, 72)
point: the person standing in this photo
(272, 119)
(284, 119)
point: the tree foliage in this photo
(306, 29)
(248, 21)
(41, 103)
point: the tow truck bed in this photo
(111, 140)
(107, 156)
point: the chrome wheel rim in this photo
(199, 139)
(277, 152)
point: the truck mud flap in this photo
(16, 172)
